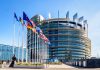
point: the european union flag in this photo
(15, 16)
(21, 20)
(25, 17)
(38, 29)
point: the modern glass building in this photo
(69, 40)
(6, 52)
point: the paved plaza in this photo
(52, 67)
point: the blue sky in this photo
(90, 9)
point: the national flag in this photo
(28, 26)
(25, 17)
(46, 39)
(33, 23)
(67, 15)
(21, 20)
(41, 31)
(34, 30)
(80, 19)
(75, 16)
(38, 29)
(15, 16)
(43, 37)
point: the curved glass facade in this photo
(68, 39)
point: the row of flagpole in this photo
(32, 26)
(18, 39)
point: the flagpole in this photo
(42, 52)
(15, 17)
(26, 55)
(46, 51)
(39, 49)
(22, 42)
(35, 47)
(26, 46)
(18, 44)
(31, 54)
(32, 49)
(14, 39)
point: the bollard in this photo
(80, 63)
(84, 64)
(3, 64)
(76, 63)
